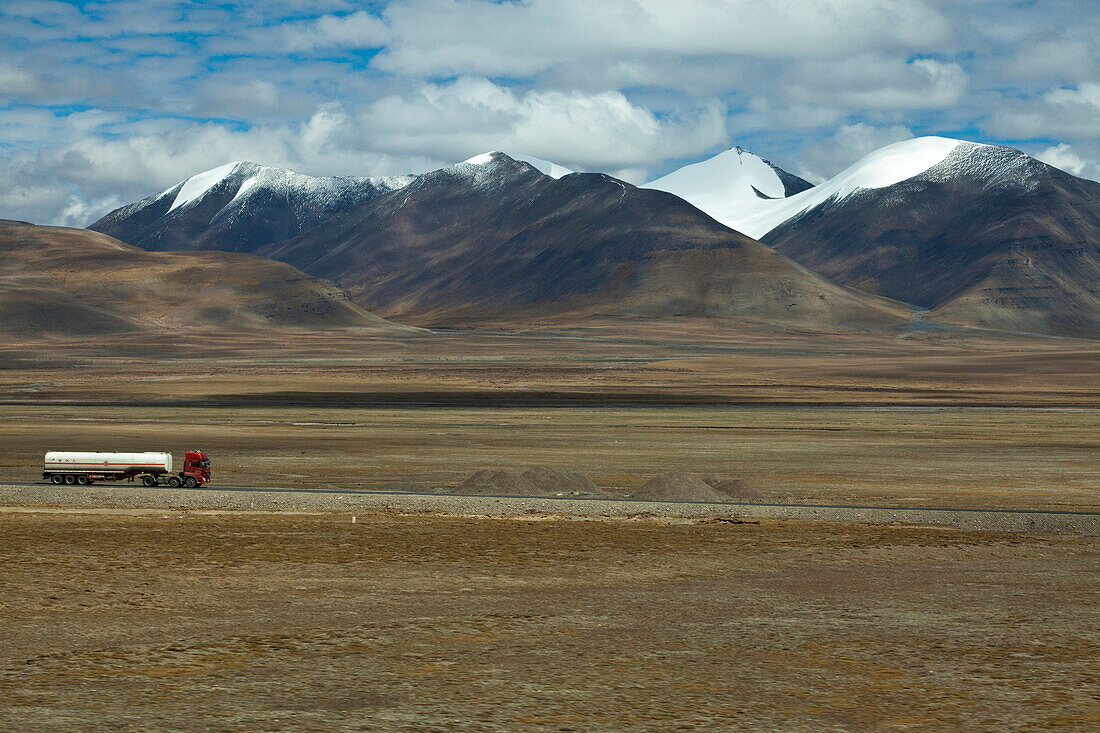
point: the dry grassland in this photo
(271, 622)
(981, 457)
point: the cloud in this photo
(1065, 157)
(1054, 58)
(472, 115)
(825, 158)
(1087, 96)
(444, 37)
(107, 155)
(106, 101)
(880, 83)
(1061, 112)
(358, 30)
(79, 180)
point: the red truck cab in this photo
(196, 465)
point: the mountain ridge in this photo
(238, 207)
(496, 238)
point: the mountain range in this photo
(976, 234)
(495, 239)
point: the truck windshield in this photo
(206, 464)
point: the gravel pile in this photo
(678, 486)
(535, 481)
(550, 481)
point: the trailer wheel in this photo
(148, 481)
(82, 480)
(57, 478)
(174, 482)
(70, 479)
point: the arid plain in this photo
(248, 620)
(949, 417)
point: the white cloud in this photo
(434, 37)
(577, 129)
(1065, 157)
(1060, 113)
(357, 30)
(626, 86)
(873, 82)
(1086, 95)
(1059, 58)
(825, 158)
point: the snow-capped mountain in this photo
(731, 186)
(239, 207)
(979, 234)
(753, 196)
(494, 239)
(484, 163)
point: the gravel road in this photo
(29, 496)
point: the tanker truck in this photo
(154, 469)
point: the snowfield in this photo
(545, 167)
(723, 186)
(197, 185)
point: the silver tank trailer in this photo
(75, 467)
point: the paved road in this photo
(29, 495)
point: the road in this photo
(364, 492)
(31, 495)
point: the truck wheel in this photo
(190, 482)
(148, 481)
(82, 480)
(174, 482)
(57, 479)
(70, 479)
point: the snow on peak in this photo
(480, 159)
(250, 178)
(728, 186)
(894, 163)
(724, 185)
(197, 185)
(879, 169)
(546, 167)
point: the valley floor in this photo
(171, 619)
(950, 418)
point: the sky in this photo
(104, 103)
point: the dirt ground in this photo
(170, 621)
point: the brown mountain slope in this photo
(500, 242)
(55, 280)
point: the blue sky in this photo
(103, 103)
